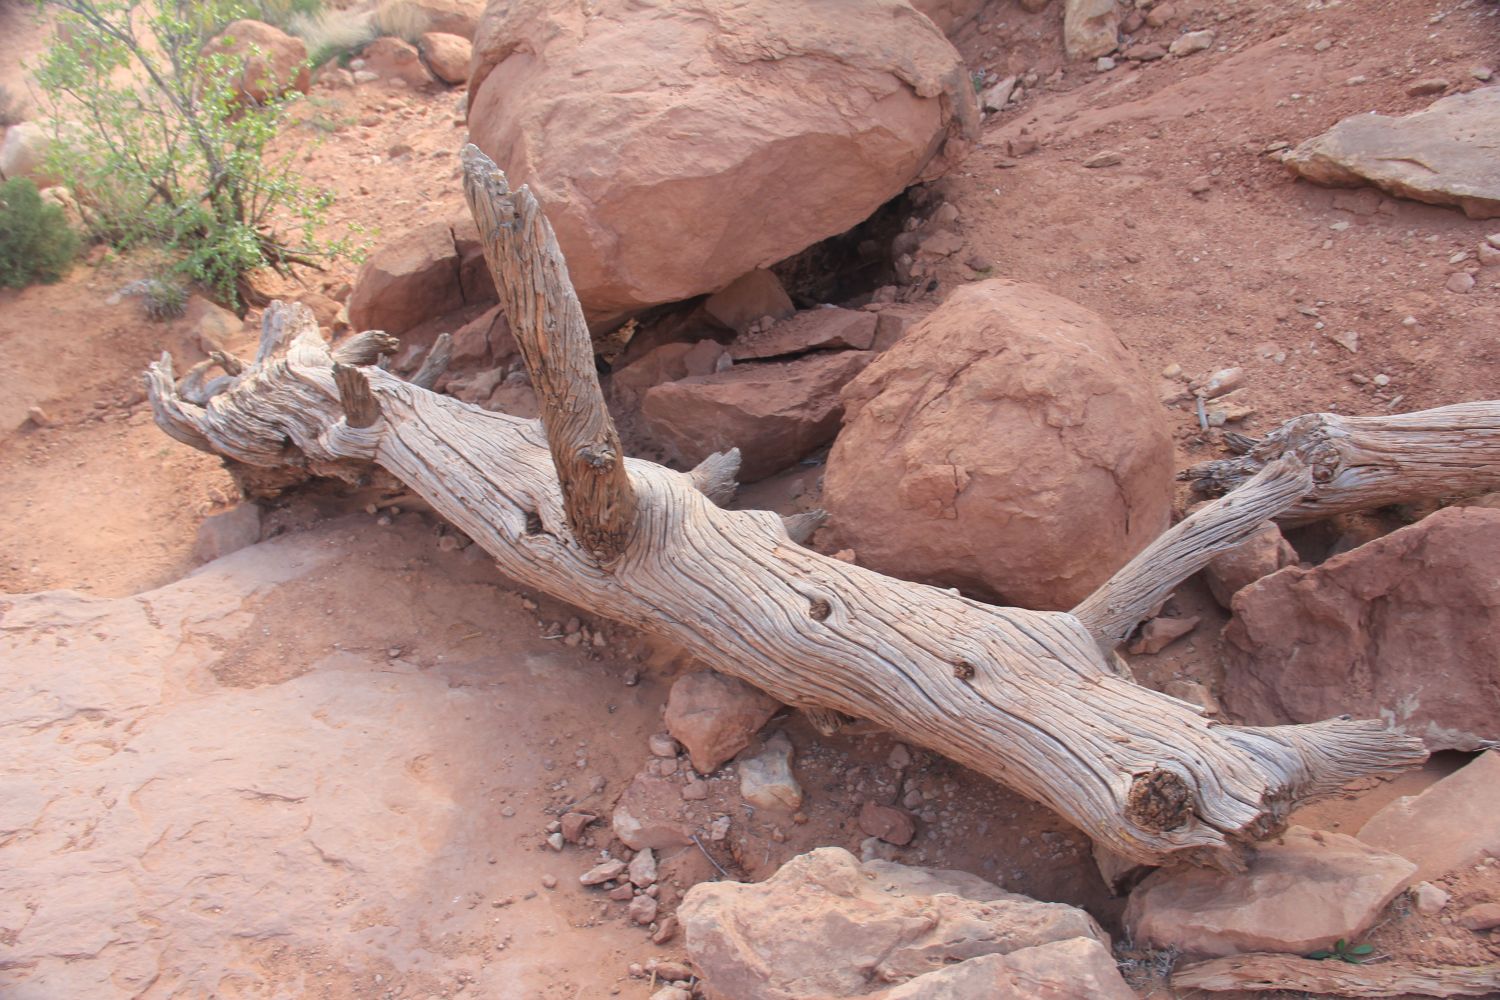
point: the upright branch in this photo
(1363, 462)
(1113, 611)
(548, 324)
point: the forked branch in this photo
(548, 323)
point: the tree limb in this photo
(555, 343)
(1364, 462)
(1025, 697)
(1269, 971)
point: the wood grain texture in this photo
(1025, 697)
(1268, 971)
(1364, 462)
(548, 324)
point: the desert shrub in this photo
(282, 13)
(36, 243)
(402, 19)
(333, 34)
(164, 150)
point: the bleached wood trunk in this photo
(1267, 971)
(1028, 698)
(1364, 462)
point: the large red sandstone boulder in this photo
(274, 61)
(826, 925)
(1405, 628)
(447, 55)
(774, 412)
(1008, 445)
(1449, 826)
(677, 146)
(435, 269)
(1303, 891)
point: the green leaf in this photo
(1340, 944)
(1362, 949)
(1318, 956)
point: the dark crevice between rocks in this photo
(849, 267)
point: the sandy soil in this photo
(1244, 274)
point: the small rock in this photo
(981, 263)
(1223, 381)
(875, 849)
(1460, 283)
(900, 757)
(555, 841)
(642, 910)
(1482, 917)
(1160, 15)
(1201, 184)
(228, 531)
(714, 717)
(573, 825)
(1382, 380)
(1428, 898)
(662, 745)
(695, 790)
(1489, 256)
(995, 98)
(622, 893)
(671, 993)
(719, 828)
(767, 781)
(549, 881)
(1159, 633)
(1194, 693)
(1423, 88)
(1108, 158)
(1193, 41)
(642, 868)
(1323, 45)
(1482, 73)
(665, 931)
(38, 416)
(603, 872)
(1104, 64)
(1347, 339)
(888, 823)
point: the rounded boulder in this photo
(677, 146)
(1009, 445)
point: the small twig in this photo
(710, 858)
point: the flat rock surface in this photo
(1446, 154)
(1449, 826)
(202, 794)
(1405, 627)
(1303, 891)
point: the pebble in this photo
(1225, 380)
(1429, 899)
(573, 825)
(1172, 370)
(1201, 184)
(603, 872)
(1409, 322)
(38, 416)
(888, 823)
(1431, 85)
(981, 263)
(665, 931)
(623, 893)
(1193, 41)
(1347, 339)
(642, 910)
(365, 76)
(1160, 15)
(1323, 45)
(1482, 917)
(1482, 73)
(642, 868)
(555, 841)
(671, 993)
(1382, 380)
(1489, 256)
(549, 881)
(900, 757)
(662, 745)
(695, 790)
(1108, 158)
(1460, 283)
(1104, 64)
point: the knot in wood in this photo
(598, 457)
(1159, 800)
(963, 670)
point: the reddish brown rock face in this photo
(1008, 445)
(676, 147)
(1406, 627)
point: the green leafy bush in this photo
(35, 241)
(163, 149)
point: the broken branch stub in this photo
(1359, 463)
(548, 323)
(1027, 698)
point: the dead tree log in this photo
(1363, 462)
(1025, 697)
(1269, 971)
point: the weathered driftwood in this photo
(1025, 697)
(1268, 971)
(1364, 462)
